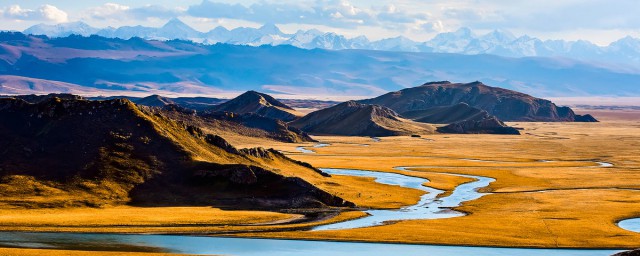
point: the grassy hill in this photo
(76, 153)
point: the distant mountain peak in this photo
(176, 23)
(62, 29)
(499, 35)
(270, 29)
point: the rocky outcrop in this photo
(505, 104)
(487, 125)
(355, 119)
(635, 252)
(258, 103)
(585, 118)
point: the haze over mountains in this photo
(109, 66)
(625, 51)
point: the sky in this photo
(599, 21)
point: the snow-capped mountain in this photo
(176, 29)
(62, 30)
(462, 41)
(401, 44)
(452, 42)
(303, 37)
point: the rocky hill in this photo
(60, 153)
(355, 119)
(237, 125)
(154, 101)
(505, 104)
(258, 103)
(485, 125)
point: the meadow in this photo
(549, 191)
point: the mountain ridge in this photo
(505, 104)
(37, 64)
(463, 40)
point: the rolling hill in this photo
(354, 119)
(507, 105)
(260, 104)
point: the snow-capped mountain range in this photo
(625, 51)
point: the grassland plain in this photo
(548, 190)
(564, 201)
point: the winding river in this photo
(430, 206)
(308, 151)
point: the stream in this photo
(428, 207)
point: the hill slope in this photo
(233, 125)
(60, 153)
(355, 119)
(258, 103)
(505, 104)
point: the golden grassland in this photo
(570, 202)
(135, 216)
(567, 202)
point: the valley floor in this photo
(548, 191)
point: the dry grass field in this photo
(548, 190)
(566, 200)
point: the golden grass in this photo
(188, 228)
(134, 216)
(566, 203)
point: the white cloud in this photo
(334, 13)
(113, 11)
(52, 13)
(43, 13)
(107, 11)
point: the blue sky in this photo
(599, 21)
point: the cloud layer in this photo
(43, 13)
(113, 11)
(411, 18)
(342, 14)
